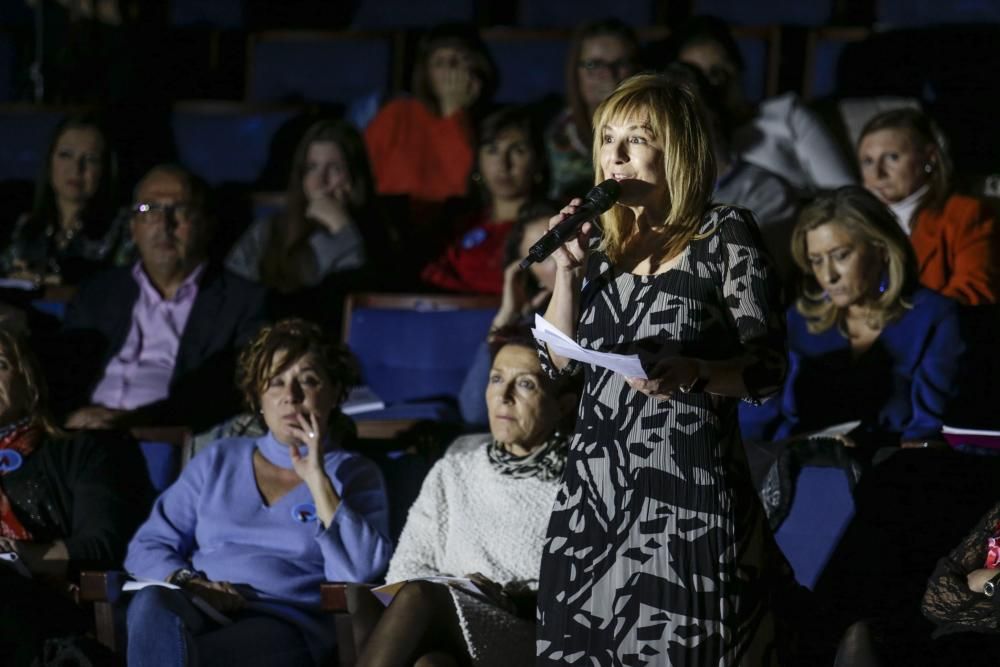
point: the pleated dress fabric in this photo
(657, 551)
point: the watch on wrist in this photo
(990, 587)
(183, 576)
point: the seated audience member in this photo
(155, 343)
(601, 55)
(905, 162)
(865, 341)
(509, 171)
(254, 525)
(328, 203)
(741, 183)
(64, 506)
(524, 294)
(422, 146)
(74, 229)
(961, 597)
(780, 134)
(481, 514)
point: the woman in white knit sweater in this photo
(481, 515)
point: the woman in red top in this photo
(422, 146)
(510, 171)
(905, 162)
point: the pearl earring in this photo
(928, 167)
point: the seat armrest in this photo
(101, 586)
(333, 595)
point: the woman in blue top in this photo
(253, 526)
(865, 340)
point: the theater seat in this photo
(760, 47)
(329, 67)
(821, 509)
(787, 12)
(382, 14)
(226, 142)
(25, 132)
(568, 13)
(222, 14)
(531, 63)
(415, 350)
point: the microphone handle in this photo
(558, 235)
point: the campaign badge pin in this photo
(10, 460)
(474, 238)
(304, 512)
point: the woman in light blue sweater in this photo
(253, 526)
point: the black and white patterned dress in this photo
(657, 550)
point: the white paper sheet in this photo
(561, 344)
(138, 583)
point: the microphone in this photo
(597, 201)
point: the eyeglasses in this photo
(149, 213)
(613, 66)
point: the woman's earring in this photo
(476, 177)
(929, 167)
(825, 295)
(883, 283)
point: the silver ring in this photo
(311, 434)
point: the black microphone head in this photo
(604, 195)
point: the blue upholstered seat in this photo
(820, 511)
(788, 12)
(227, 14)
(318, 67)
(226, 143)
(381, 14)
(531, 63)
(24, 136)
(415, 357)
(569, 13)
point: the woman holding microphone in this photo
(657, 547)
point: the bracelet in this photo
(696, 385)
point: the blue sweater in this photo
(900, 387)
(213, 519)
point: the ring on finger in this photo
(311, 434)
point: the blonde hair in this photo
(28, 370)
(672, 113)
(868, 221)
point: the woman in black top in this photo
(66, 504)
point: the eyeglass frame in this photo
(182, 213)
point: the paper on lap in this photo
(561, 344)
(138, 583)
(386, 592)
(11, 559)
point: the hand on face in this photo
(666, 377)
(310, 433)
(453, 82)
(515, 301)
(329, 211)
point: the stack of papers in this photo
(138, 583)
(561, 344)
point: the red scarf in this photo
(22, 440)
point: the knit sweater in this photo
(213, 519)
(470, 518)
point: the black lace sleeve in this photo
(948, 602)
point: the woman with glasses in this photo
(72, 230)
(600, 56)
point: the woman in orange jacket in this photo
(904, 161)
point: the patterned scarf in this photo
(21, 437)
(545, 463)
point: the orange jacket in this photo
(415, 152)
(958, 252)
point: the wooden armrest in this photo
(333, 595)
(104, 586)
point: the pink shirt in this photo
(139, 374)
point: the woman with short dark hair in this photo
(254, 525)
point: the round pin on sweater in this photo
(473, 238)
(10, 460)
(304, 512)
